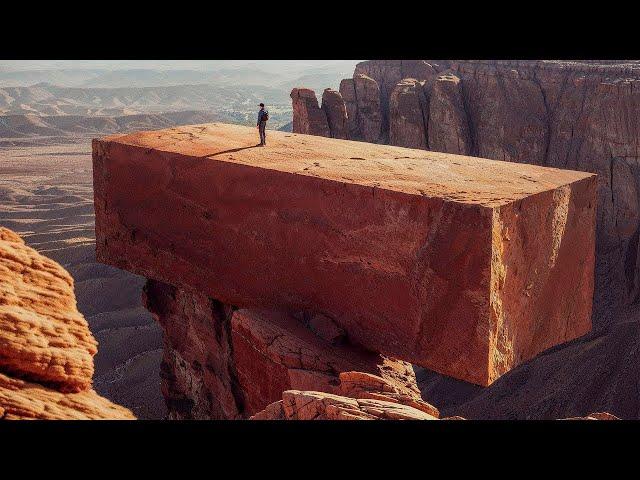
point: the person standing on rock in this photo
(263, 116)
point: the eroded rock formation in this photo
(348, 92)
(367, 94)
(46, 348)
(310, 405)
(448, 125)
(309, 118)
(430, 252)
(409, 115)
(335, 109)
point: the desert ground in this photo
(46, 195)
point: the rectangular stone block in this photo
(462, 265)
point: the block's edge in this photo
(590, 183)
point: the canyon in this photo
(325, 265)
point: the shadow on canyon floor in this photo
(595, 373)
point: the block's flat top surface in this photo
(418, 172)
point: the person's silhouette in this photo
(263, 116)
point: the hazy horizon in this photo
(269, 65)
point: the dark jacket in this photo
(261, 115)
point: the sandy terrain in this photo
(46, 195)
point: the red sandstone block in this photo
(463, 265)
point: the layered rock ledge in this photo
(46, 348)
(445, 261)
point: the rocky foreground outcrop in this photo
(576, 115)
(296, 405)
(46, 348)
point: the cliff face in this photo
(575, 115)
(46, 348)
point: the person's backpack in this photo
(265, 116)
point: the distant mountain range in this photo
(25, 126)
(66, 102)
(237, 104)
(49, 99)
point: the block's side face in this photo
(542, 273)
(404, 275)
(452, 276)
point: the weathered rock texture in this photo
(576, 115)
(361, 97)
(449, 262)
(220, 362)
(409, 115)
(309, 118)
(595, 416)
(43, 336)
(334, 107)
(297, 405)
(197, 371)
(448, 127)
(348, 92)
(23, 400)
(46, 348)
(370, 119)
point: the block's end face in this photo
(542, 273)
(452, 283)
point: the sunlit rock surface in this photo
(46, 348)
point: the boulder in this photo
(408, 115)
(310, 405)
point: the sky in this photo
(268, 65)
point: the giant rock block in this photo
(463, 265)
